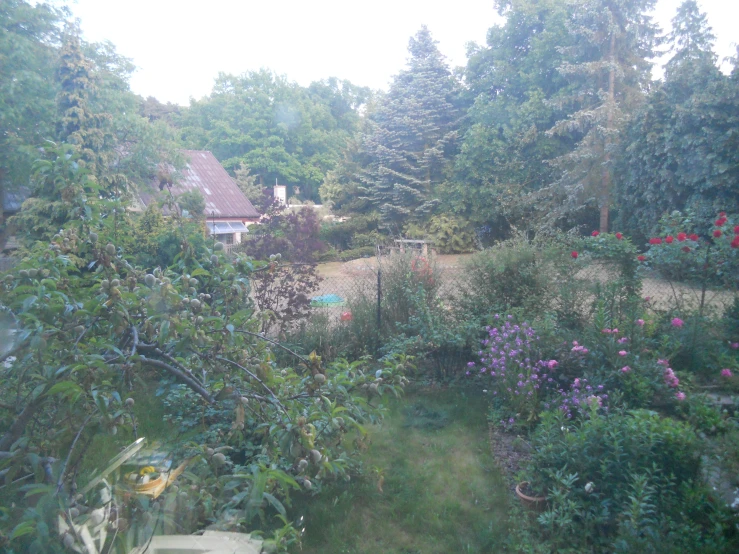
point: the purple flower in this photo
(640, 322)
(734, 345)
(726, 372)
(470, 364)
(677, 322)
(680, 396)
(623, 353)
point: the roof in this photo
(203, 172)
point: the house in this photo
(228, 212)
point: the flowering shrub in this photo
(512, 370)
(696, 251)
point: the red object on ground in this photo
(346, 316)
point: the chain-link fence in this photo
(448, 279)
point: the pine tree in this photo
(610, 71)
(410, 141)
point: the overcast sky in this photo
(180, 46)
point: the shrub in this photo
(450, 235)
(591, 469)
(536, 277)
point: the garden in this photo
(542, 404)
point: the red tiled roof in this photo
(203, 172)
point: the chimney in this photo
(280, 194)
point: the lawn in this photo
(429, 485)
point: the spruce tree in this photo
(614, 39)
(411, 139)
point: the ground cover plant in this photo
(429, 484)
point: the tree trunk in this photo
(605, 193)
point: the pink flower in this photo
(677, 322)
(625, 369)
(734, 345)
(577, 382)
(622, 340)
(551, 364)
(607, 331)
(640, 322)
(615, 331)
(623, 353)
(726, 372)
(680, 396)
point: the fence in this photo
(368, 300)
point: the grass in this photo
(441, 492)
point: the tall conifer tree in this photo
(610, 72)
(412, 137)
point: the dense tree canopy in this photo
(281, 131)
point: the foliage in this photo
(450, 235)
(292, 234)
(411, 141)
(282, 293)
(275, 127)
(341, 235)
(536, 276)
(680, 154)
(28, 43)
(604, 466)
(90, 324)
(696, 250)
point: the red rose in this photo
(686, 249)
(594, 234)
(681, 237)
(736, 230)
(619, 236)
(717, 233)
(655, 240)
(735, 242)
(574, 254)
(719, 222)
(641, 258)
(669, 239)
(693, 237)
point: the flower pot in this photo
(533, 502)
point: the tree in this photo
(609, 72)
(283, 132)
(680, 151)
(77, 123)
(29, 37)
(247, 182)
(410, 143)
(513, 91)
(691, 37)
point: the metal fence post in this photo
(379, 306)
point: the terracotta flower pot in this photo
(533, 502)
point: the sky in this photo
(180, 46)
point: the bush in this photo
(595, 469)
(536, 277)
(356, 253)
(450, 234)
